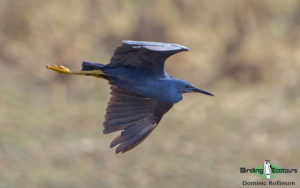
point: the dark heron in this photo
(141, 91)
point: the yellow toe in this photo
(58, 68)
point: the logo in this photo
(268, 171)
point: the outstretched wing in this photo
(136, 116)
(149, 56)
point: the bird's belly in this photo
(143, 84)
(158, 91)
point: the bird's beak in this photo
(201, 91)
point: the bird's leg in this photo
(64, 70)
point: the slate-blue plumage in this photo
(141, 91)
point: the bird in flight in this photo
(141, 91)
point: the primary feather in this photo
(136, 116)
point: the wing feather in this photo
(134, 115)
(149, 56)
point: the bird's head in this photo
(186, 87)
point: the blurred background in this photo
(245, 52)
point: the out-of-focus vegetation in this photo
(245, 52)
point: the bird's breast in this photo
(144, 84)
(160, 91)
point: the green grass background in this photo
(245, 52)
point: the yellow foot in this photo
(65, 70)
(59, 68)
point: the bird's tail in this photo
(86, 66)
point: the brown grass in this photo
(245, 52)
